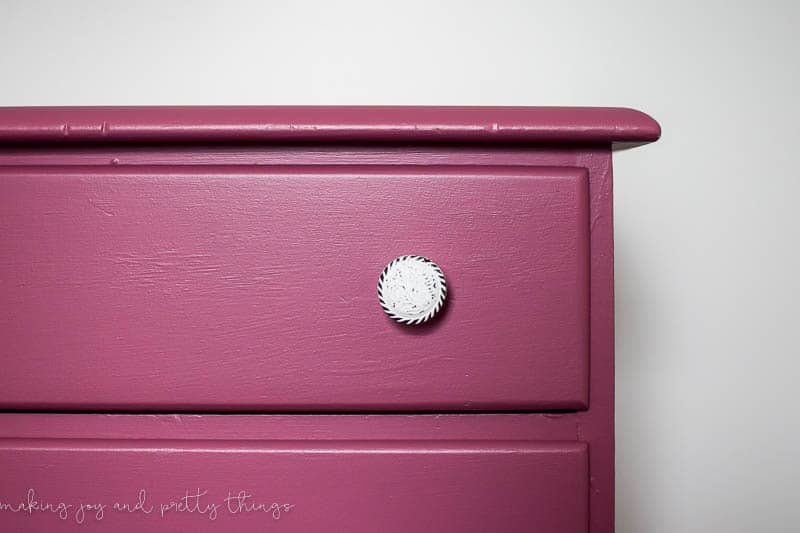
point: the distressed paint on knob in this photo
(65, 347)
(412, 289)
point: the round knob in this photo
(412, 289)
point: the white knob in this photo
(412, 289)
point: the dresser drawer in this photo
(225, 292)
(295, 487)
(254, 288)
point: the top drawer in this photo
(254, 288)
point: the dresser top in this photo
(548, 125)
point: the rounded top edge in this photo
(326, 124)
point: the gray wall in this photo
(706, 223)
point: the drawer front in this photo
(254, 288)
(361, 487)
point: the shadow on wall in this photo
(645, 448)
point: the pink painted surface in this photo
(306, 427)
(330, 124)
(255, 289)
(356, 486)
(577, 138)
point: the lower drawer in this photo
(317, 485)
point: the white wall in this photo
(707, 235)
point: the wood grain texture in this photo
(235, 288)
(594, 426)
(339, 485)
(229, 426)
(139, 138)
(329, 124)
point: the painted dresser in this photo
(202, 322)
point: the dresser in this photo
(308, 319)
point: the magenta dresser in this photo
(299, 319)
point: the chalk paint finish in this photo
(223, 260)
(259, 284)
